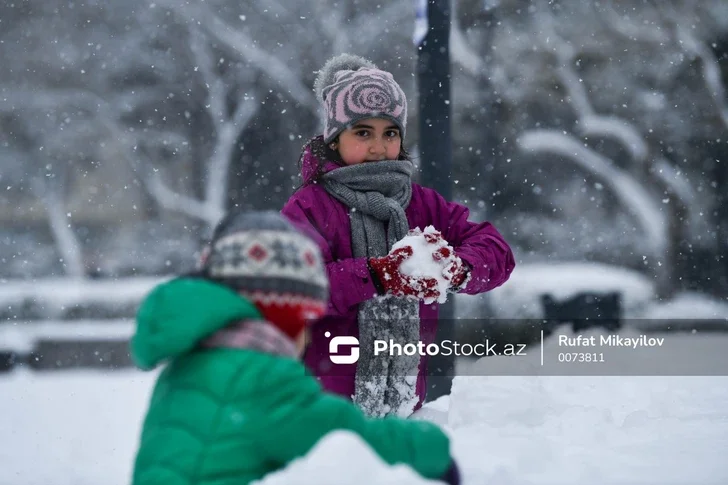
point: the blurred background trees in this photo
(584, 130)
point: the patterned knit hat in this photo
(353, 88)
(268, 260)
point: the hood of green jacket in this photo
(178, 314)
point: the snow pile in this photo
(689, 306)
(71, 299)
(71, 428)
(82, 428)
(520, 296)
(685, 312)
(578, 430)
(65, 291)
(625, 428)
(23, 336)
(330, 463)
(422, 264)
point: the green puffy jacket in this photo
(230, 416)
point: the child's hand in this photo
(452, 475)
(386, 270)
(456, 271)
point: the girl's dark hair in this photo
(323, 153)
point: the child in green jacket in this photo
(234, 402)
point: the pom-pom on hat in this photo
(266, 259)
(352, 88)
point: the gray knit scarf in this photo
(377, 195)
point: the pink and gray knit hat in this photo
(353, 88)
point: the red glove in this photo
(386, 273)
(456, 271)
(434, 237)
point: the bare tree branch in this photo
(631, 193)
(273, 7)
(248, 49)
(619, 129)
(462, 53)
(227, 130)
(220, 160)
(369, 28)
(677, 185)
(685, 38)
(589, 121)
(174, 201)
(330, 23)
(711, 69)
(81, 99)
(626, 28)
(49, 193)
(202, 53)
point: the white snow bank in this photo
(520, 296)
(435, 411)
(685, 312)
(68, 298)
(689, 306)
(597, 430)
(82, 428)
(69, 290)
(607, 430)
(73, 428)
(343, 457)
(21, 336)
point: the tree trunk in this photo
(67, 244)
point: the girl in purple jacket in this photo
(356, 211)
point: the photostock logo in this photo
(343, 341)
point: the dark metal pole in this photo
(433, 74)
(719, 153)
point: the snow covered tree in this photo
(607, 113)
(167, 112)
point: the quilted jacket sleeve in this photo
(313, 413)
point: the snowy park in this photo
(591, 136)
(508, 426)
(81, 428)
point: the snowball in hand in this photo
(421, 264)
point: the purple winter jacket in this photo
(311, 207)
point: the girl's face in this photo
(369, 140)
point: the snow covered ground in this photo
(625, 429)
(81, 427)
